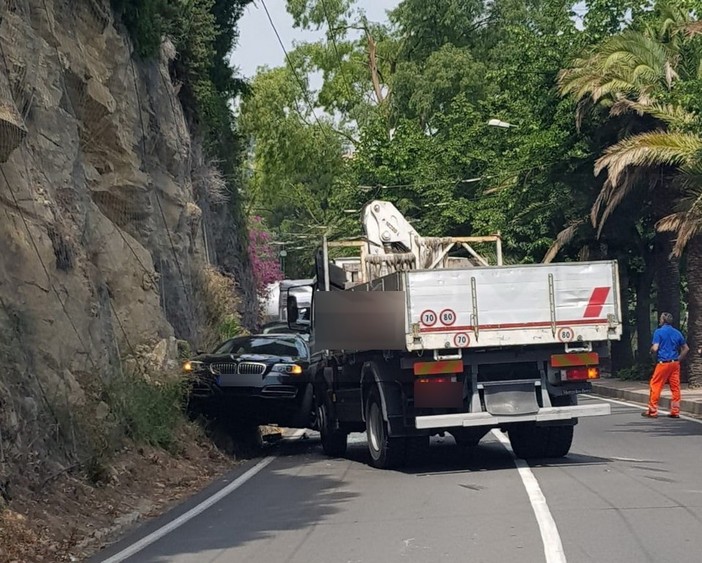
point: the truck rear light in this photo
(436, 380)
(581, 373)
(438, 391)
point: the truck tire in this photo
(559, 441)
(385, 452)
(334, 442)
(533, 442)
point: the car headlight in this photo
(192, 366)
(288, 369)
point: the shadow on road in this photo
(660, 427)
(444, 457)
(303, 488)
(274, 501)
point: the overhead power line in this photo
(292, 68)
(336, 51)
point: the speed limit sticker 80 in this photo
(447, 317)
(566, 334)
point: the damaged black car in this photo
(261, 379)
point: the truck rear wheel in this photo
(559, 441)
(334, 442)
(531, 442)
(385, 452)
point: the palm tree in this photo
(683, 151)
(629, 74)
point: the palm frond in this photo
(685, 225)
(563, 238)
(690, 29)
(634, 53)
(648, 149)
(670, 114)
(630, 63)
(686, 221)
(672, 20)
(611, 195)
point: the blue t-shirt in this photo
(669, 341)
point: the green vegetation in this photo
(147, 22)
(203, 33)
(637, 372)
(603, 162)
(150, 412)
(128, 409)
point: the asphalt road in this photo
(630, 490)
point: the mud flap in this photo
(302, 418)
(504, 399)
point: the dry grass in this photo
(17, 539)
(207, 178)
(71, 518)
(220, 306)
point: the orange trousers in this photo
(665, 373)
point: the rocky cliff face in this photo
(101, 237)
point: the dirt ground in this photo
(71, 519)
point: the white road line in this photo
(204, 505)
(553, 548)
(190, 514)
(637, 406)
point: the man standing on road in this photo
(670, 348)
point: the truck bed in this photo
(500, 306)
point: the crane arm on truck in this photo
(391, 244)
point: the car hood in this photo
(262, 358)
(267, 359)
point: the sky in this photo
(258, 44)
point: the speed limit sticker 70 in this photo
(461, 340)
(566, 334)
(428, 318)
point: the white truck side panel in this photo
(513, 305)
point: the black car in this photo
(262, 379)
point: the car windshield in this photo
(273, 346)
(224, 348)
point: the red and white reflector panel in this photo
(438, 367)
(575, 359)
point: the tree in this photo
(684, 152)
(407, 105)
(631, 74)
(296, 160)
